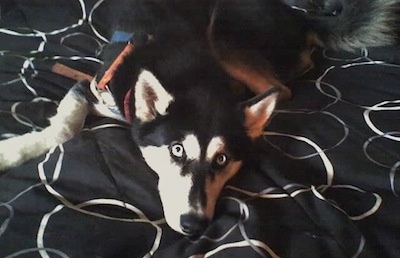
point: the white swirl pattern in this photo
(320, 188)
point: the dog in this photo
(172, 79)
(285, 33)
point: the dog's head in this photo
(195, 141)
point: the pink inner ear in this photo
(151, 98)
(145, 103)
(258, 115)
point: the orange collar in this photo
(103, 83)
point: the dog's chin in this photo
(177, 228)
(192, 238)
(174, 223)
(187, 224)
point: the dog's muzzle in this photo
(193, 225)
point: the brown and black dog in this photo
(171, 80)
(269, 43)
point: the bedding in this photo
(322, 183)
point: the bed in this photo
(323, 183)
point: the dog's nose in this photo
(193, 225)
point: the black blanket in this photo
(323, 183)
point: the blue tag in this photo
(121, 36)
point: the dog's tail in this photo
(357, 24)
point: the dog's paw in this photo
(17, 150)
(9, 155)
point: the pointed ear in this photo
(151, 99)
(258, 111)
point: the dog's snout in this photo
(193, 225)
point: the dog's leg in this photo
(69, 120)
(258, 82)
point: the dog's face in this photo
(195, 143)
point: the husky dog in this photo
(191, 130)
(172, 82)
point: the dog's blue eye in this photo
(177, 150)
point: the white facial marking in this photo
(173, 187)
(174, 193)
(159, 159)
(215, 146)
(192, 147)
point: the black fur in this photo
(190, 49)
(264, 34)
(277, 36)
(201, 89)
(187, 56)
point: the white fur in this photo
(174, 194)
(192, 147)
(149, 90)
(215, 146)
(68, 121)
(106, 106)
(174, 189)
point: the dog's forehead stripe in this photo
(216, 145)
(192, 147)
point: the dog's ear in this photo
(151, 99)
(258, 111)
